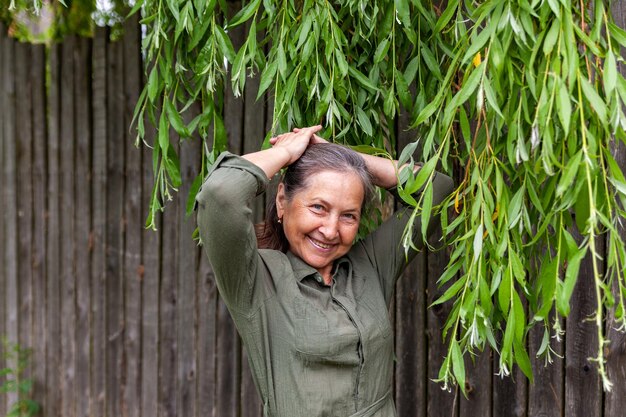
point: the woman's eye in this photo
(317, 207)
(350, 216)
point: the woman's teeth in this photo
(320, 244)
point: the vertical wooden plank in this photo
(545, 395)
(83, 97)
(98, 223)
(207, 339)
(151, 243)
(9, 211)
(167, 312)
(23, 124)
(583, 391)
(186, 283)
(39, 222)
(228, 377)
(67, 229)
(114, 228)
(440, 402)
(411, 377)
(479, 386)
(253, 135)
(509, 392)
(133, 224)
(52, 401)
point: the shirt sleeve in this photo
(226, 228)
(384, 245)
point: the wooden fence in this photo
(127, 322)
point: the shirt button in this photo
(318, 277)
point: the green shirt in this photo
(314, 350)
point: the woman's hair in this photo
(317, 158)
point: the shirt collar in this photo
(302, 270)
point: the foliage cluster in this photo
(524, 95)
(12, 380)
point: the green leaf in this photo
(569, 174)
(164, 136)
(175, 119)
(551, 37)
(445, 17)
(564, 108)
(226, 46)
(267, 77)
(478, 242)
(594, 99)
(362, 79)
(244, 14)
(610, 73)
(458, 366)
(364, 121)
(564, 291)
(427, 205)
(451, 291)
(381, 51)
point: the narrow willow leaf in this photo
(364, 121)
(362, 79)
(164, 137)
(617, 33)
(407, 153)
(226, 46)
(522, 359)
(504, 291)
(458, 366)
(172, 165)
(267, 77)
(175, 120)
(381, 51)
(244, 14)
(564, 293)
(427, 205)
(305, 29)
(564, 108)
(468, 87)
(610, 73)
(402, 90)
(551, 37)
(451, 291)
(423, 174)
(431, 62)
(193, 191)
(478, 242)
(445, 17)
(571, 169)
(478, 43)
(153, 84)
(491, 96)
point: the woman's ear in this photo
(280, 200)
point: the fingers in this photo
(305, 131)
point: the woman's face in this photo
(322, 219)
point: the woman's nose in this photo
(330, 228)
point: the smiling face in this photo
(322, 219)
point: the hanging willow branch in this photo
(539, 81)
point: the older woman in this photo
(310, 304)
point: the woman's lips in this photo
(320, 245)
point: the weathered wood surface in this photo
(127, 322)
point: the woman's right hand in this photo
(286, 149)
(296, 142)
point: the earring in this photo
(280, 220)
